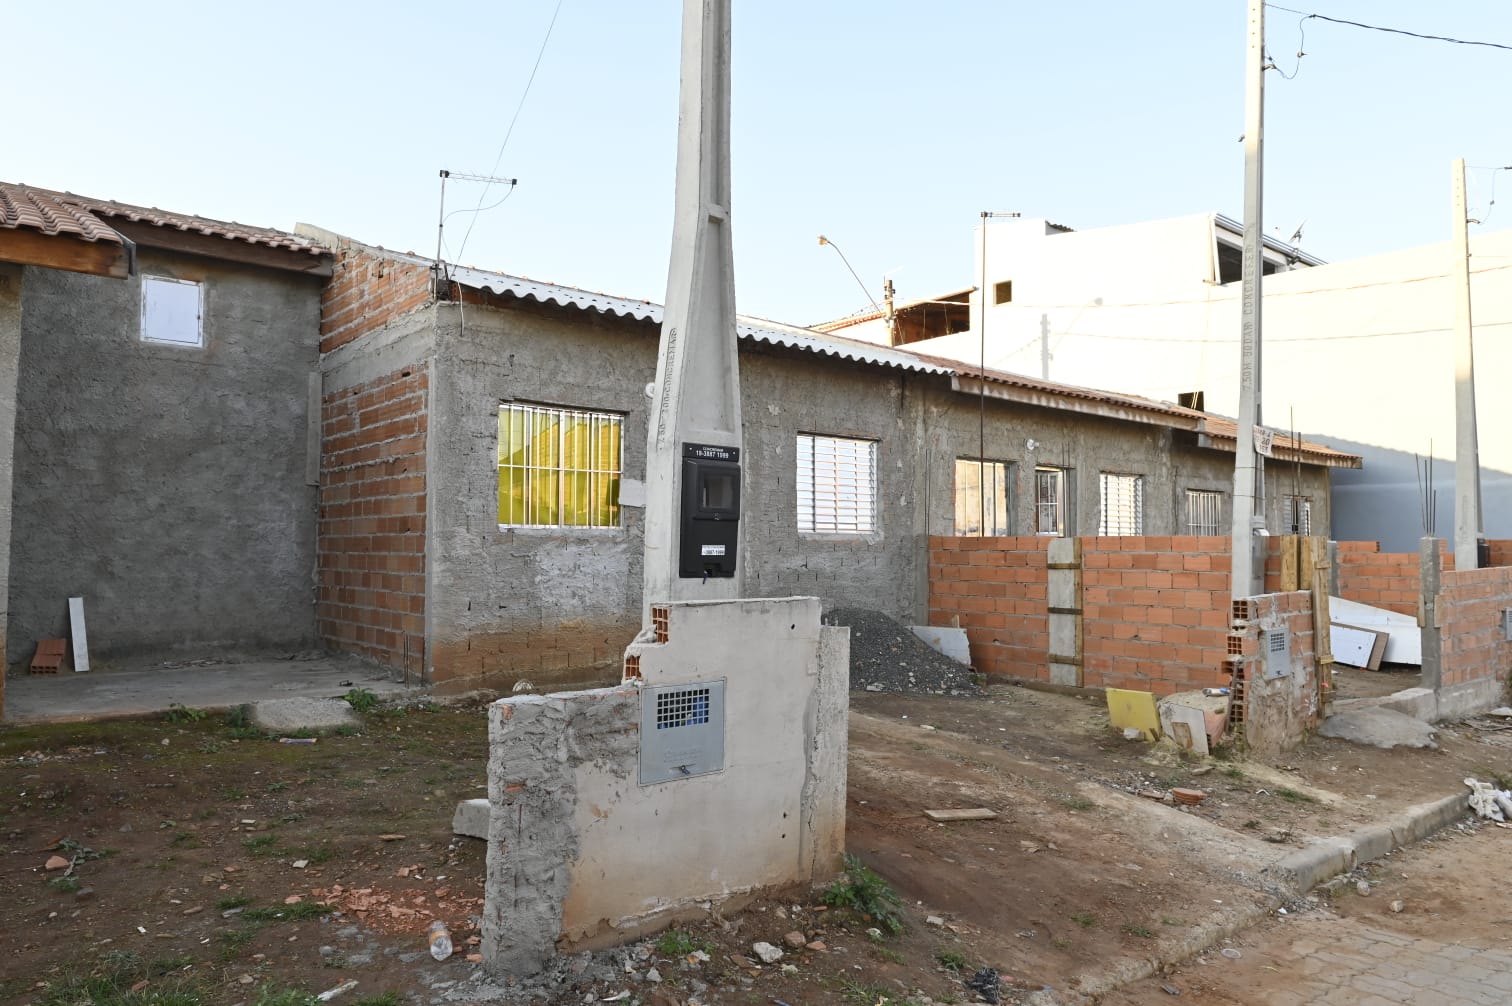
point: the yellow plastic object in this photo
(1127, 708)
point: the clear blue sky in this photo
(887, 126)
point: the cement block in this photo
(1419, 703)
(471, 819)
(281, 716)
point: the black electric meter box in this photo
(710, 510)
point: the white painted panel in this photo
(950, 641)
(171, 311)
(1351, 645)
(80, 640)
(1405, 645)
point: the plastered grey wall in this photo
(511, 591)
(10, 353)
(165, 485)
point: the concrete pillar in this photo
(10, 356)
(1429, 562)
(697, 390)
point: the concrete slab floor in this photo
(70, 697)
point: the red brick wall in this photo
(1154, 609)
(1501, 551)
(1390, 580)
(1155, 612)
(1469, 610)
(997, 587)
(371, 537)
(366, 291)
(1277, 713)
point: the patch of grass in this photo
(1143, 932)
(1170, 781)
(239, 717)
(1500, 780)
(226, 904)
(951, 960)
(163, 965)
(1084, 919)
(298, 912)
(317, 854)
(389, 998)
(110, 981)
(861, 994)
(65, 884)
(862, 891)
(1060, 942)
(1234, 772)
(680, 943)
(233, 795)
(1166, 920)
(362, 700)
(272, 995)
(245, 734)
(1077, 803)
(261, 845)
(889, 954)
(233, 942)
(274, 787)
(1293, 796)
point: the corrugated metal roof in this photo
(25, 208)
(753, 329)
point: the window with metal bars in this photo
(1049, 500)
(1122, 504)
(558, 467)
(1296, 516)
(837, 485)
(981, 497)
(1204, 512)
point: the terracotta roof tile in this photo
(110, 209)
(26, 208)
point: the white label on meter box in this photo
(713, 550)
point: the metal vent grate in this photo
(688, 707)
(681, 730)
(1278, 655)
(1275, 641)
(1507, 624)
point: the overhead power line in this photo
(1390, 31)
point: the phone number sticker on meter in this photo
(713, 550)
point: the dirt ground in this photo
(186, 839)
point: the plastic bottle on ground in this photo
(440, 940)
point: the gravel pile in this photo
(885, 656)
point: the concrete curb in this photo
(1324, 858)
(1300, 872)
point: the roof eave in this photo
(1101, 407)
(110, 259)
(1287, 454)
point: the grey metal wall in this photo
(498, 592)
(166, 485)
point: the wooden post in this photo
(1317, 562)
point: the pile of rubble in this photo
(886, 656)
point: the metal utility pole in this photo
(697, 392)
(1468, 530)
(1249, 506)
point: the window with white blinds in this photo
(837, 485)
(1204, 512)
(1122, 505)
(1297, 515)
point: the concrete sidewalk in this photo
(96, 695)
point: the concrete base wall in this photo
(581, 854)
(1279, 705)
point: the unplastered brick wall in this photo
(371, 538)
(1469, 611)
(367, 289)
(1155, 612)
(997, 588)
(1390, 580)
(1501, 551)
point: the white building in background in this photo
(1359, 354)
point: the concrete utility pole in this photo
(1468, 530)
(1249, 473)
(697, 391)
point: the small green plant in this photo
(951, 960)
(226, 904)
(679, 943)
(79, 852)
(361, 700)
(1060, 942)
(233, 794)
(1166, 920)
(862, 891)
(299, 912)
(1084, 919)
(183, 714)
(233, 942)
(261, 845)
(863, 995)
(239, 717)
(1293, 796)
(163, 965)
(1077, 803)
(65, 884)
(275, 787)
(1234, 772)
(1143, 932)
(889, 954)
